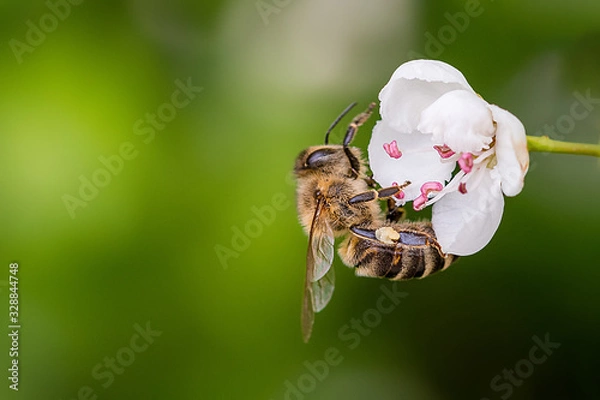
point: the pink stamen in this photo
(466, 162)
(419, 203)
(428, 187)
(444, 151)
(462, 187)
(392, 149)
(400, 194)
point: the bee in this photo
(336, 197)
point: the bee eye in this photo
(318, 157)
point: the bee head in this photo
(328, 159)
(335, 159)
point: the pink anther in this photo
(419, 203)
(392, 149)
(444, 151)
(400, 194)
(462, 188)
(466, 162)
(428, 187)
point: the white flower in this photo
(432, 121)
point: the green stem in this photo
(544, 143)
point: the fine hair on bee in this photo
(335, 197)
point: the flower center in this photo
(469, 164)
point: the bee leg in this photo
(354, 163)
(385, 234)
(370, 181)
(377, 194)
(356, 122)
(350, 132)
(394, 213)
(363, 233)
(363, 197)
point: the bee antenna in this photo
(338, 120)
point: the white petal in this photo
(430, 71)
(465, 223)
(511, 150)
(418, 164)
(460, 119)
(413, 87)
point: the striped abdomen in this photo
(414, 254)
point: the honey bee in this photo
(335, 197)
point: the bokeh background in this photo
(143, 249)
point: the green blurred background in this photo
(274, 74)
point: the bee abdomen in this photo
(415, 255)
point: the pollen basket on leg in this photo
(387, 235)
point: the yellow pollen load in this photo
(387, 235)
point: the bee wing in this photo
(319, 257)
(320, 277)
(322, 290)
(308, 315)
